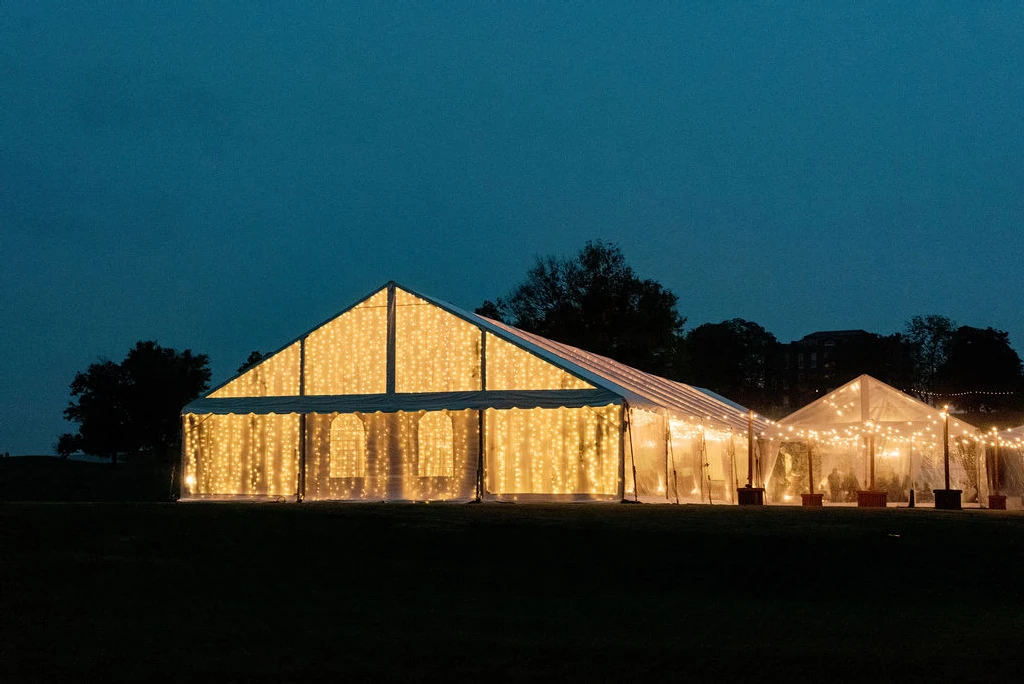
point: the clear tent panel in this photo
(512, 368)
(435, 351)
(348, 355)
(277, 376)
(405, 456)
(241, 455)
(682, 461)
(563, 451)
(646, 455)
(841, 468)
(1010, 473)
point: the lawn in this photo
(287, 592)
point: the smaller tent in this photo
(869, 435)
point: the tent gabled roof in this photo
(866, 399)
(636, 387)
(1013, 437)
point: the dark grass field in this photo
(312, 592)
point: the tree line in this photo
(594, 300)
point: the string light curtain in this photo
(412, 456)
(277, 376)
(240, 455)
(348, 355)
(435, 351)
(564, 451)
(511, 368)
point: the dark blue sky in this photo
(222, 176)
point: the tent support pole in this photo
(667, 440)
(671, 450)
(300, 482)
(622, 452)
(632, 457)
(392, 309)
(480, 456)
(871, 461)
(995, 474)
(750, 448)
(181, 474)
(705, 466)
(810, 464)
(910, 471)
(945, 443)
(480, 420)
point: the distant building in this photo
(820, 362)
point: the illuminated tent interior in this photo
(840, 431)
(406, 397)
(1010, 467)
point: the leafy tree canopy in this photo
(929, 338)
(731, 358)
(981, 371)
(133, 407)
(255, 356)
(596, 301)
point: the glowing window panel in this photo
(435, 456)
(394, 445)
(435, 351)
(512, 368)
(277, 376)
(348, 355)
(348, 447)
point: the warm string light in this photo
(701, 451)
(277, 376)
(904, 435)
(348, 355)
(554, 451)
(511, 368)
(962, 394)
(434, 454)
(242, 455)
(400, 449)
(435, 350)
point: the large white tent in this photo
(406, 397)
(867, 430)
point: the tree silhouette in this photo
(731, 358)
(982, 371)
(595, 301)
(133, 408)
(255, 356)
(929, 338)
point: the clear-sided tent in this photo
(1007, 463)
(406, 397)
(868, 423)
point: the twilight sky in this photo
(223, 176)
